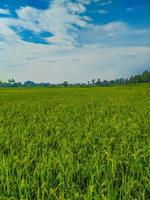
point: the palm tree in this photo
(93, 81)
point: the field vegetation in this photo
(75, 143)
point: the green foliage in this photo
(75, 143)
(65, 83)
(143, 78)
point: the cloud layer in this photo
(77, 49)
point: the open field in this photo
(75, 143)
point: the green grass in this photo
(75, 143)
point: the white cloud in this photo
(104, 2)
(100, 2)
(67, 58)
(114, 26)
(76, 7)
(4, 11)
(129, 9)
(100, 34)
(102, 11)
(116, 33)
(39, 62)
(59, 19)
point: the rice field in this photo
(75, 143)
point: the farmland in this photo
(75, 143)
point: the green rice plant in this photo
(75, 143)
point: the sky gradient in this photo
(58, 40)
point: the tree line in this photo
(141, 78)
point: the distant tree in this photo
(29, 83)
(98, 82)
(11, 81)
(17, 84)
(105, 82)
(126, 81)
(65, 84)
(112, 82)
(121, 81)
(93, 81)
(138, 79)
(131, 79)
(145, 76)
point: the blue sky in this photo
(74, 40)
